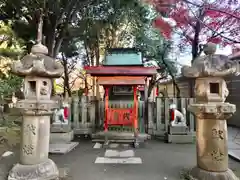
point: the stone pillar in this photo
(211, 112)
(38, 70)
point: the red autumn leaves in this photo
(219, 19)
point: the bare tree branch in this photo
(213, 9)
(215, 32)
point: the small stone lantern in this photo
(38, 70)
(211, 112)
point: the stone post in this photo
(211, 112)
(38, 70)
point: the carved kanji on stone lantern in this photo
(211, 112)
(38, 70)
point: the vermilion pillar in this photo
(135, 123)
(106, 108)
(157, 91)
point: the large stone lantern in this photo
(211, 112)
(38, 70)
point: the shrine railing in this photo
(89, 116)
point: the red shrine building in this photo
(122, 75)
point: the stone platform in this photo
(124, 137)
(56, 137)
(180, 138)
(179, 134)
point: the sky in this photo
(185, 59)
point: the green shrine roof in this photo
(123, 57)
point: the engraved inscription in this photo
(217, 155)
(217, 134)
(126, 116)
(28, 149)
(30, 129)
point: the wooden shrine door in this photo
(121, 116)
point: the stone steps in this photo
(117, 154)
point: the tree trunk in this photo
(177, 87)
(66, 77)
(6, 108)
(195, 46)
(97, 55)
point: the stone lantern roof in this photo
(210, 65)
(38, 63)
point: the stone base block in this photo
(60, 128)
(200, 174)
(118, 136)
(61, 137)
(83, 131)
(181, 139)
(44, 171)
(178, 130)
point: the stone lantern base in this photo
(43, 171)
(200, 174)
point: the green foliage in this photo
(10, 45)
(96, 25)
(10, 84)
(154, 46)
(185, 175)
(11, 48)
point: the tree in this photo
(198, 22)
(202, 21)
(155, 51)
(11, 48)
(71, 53)
(9, 85)
(58, 18)
(109, 24)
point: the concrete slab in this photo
(105, 160)
(233, 145)
(62, 148)
(97, 146)
(115, 153)
(111, 153)
(233, 133)
(127, 153)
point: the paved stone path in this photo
(160, 161)
(118, 154)
(234, 143)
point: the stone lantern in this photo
(211, 112)
(38, 70)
